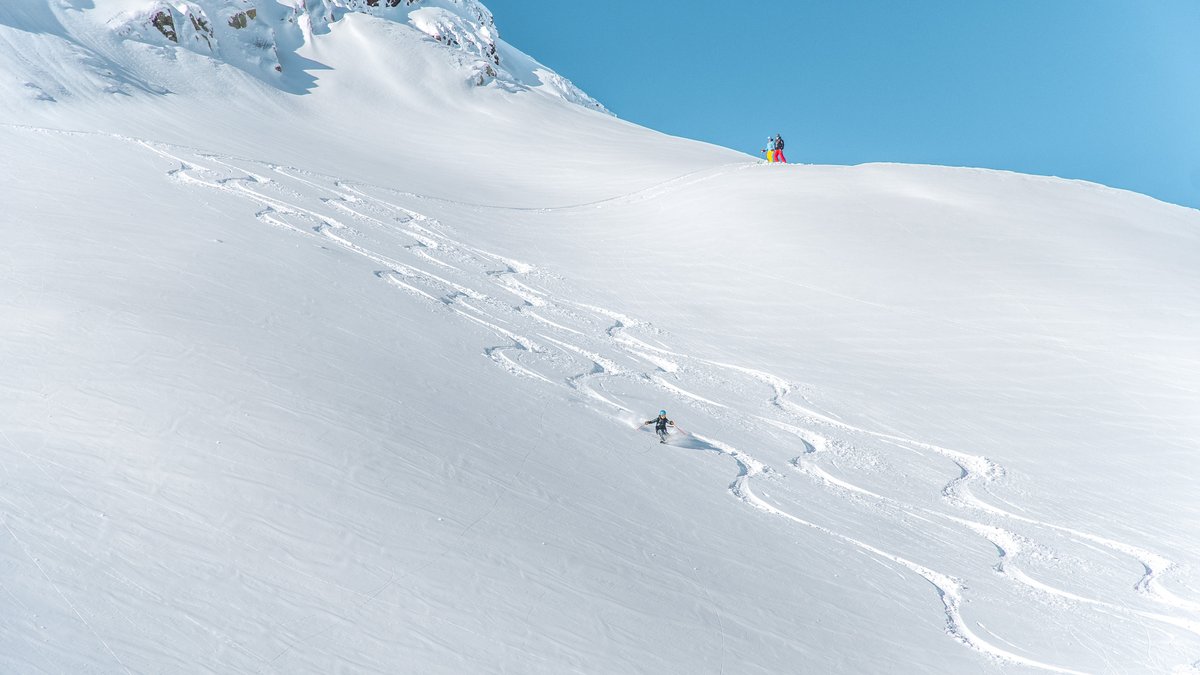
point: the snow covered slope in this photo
(343, 371)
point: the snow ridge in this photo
(228, 30)
(252, 36)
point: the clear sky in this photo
(1102, 90)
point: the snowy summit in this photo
(334, 333)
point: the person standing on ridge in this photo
(779, 149)
(770, 149)
(660, 425)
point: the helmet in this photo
(662, 412)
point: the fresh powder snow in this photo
(329, 329)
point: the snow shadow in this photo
(690, 442)
(39, 18)
(297, 76)
(35, 17)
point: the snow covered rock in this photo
(228, 30)
(466, 27)
(249, 36)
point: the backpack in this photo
(779, 142)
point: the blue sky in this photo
(1102, 90)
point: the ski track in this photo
(58, 591)
(591, 344)
(949, 590)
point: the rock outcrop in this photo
(229, 30)
(248, 36)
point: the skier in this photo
(770, 149)
(660, 425)
(779, 149)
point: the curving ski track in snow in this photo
(580, 345)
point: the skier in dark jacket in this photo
(779, 150)
(660, 425)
